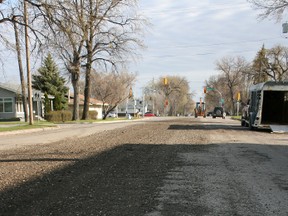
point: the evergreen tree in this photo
(47, 105)
(49, 81)
(259, 67)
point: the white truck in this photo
(267, 107)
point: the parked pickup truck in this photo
(267, 107)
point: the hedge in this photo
(65, 115)
(59, 116)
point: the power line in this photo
(223, 6)
(185, 46)
(198, 54)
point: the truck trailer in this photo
(267, 107)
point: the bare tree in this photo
(90, 32)
(21, 71)
(271, 8)
(277, 64)
(112, 36)
(176, 92)
(111, 89)
(232, 70)
(212, 97)
(62, 21)
(270, 64)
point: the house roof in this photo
(16, 88)
(93, 101)
(11, 87)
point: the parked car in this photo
(112, 115)
(149, 114)
(219, 112)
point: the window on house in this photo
(6, 105)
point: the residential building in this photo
(95, 105)
(11, 104)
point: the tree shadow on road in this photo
(121, 181)
(124, 180)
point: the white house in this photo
(95, 105)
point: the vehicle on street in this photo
(200, 109)
(149, 114)
(267, 106)
(219, 112)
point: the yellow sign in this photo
(238, 96)
(165, 81)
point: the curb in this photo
(6, 133)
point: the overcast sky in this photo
(188, 36)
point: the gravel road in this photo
(176, 166)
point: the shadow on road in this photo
(122, 181)
(211, 127)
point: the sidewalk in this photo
(57, 126)
(40, 136)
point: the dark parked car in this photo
(219, 112)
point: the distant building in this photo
(132, 107)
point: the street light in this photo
(214, 89)
(221, 98)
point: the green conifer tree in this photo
(260, 66)
(49, 81)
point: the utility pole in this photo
(30, 103)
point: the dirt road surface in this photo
(176, 166)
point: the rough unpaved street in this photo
(178, 166)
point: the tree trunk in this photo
(22, 79)
(87, 90)
(232, 100)
(89, 44)
(29, 81)
(75, 83)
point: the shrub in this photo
(10, 119)
(59, 116)
(91, 115)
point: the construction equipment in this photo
(200, 109)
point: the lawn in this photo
(12, 126)
(17, 125)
